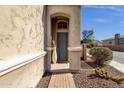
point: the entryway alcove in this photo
(60, 30)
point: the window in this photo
(62, 25)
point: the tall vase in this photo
(54, 54)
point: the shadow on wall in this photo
(44, 21)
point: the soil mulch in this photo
(82, 78)
(44, 82)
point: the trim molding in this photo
(75, 49)
(69, 49)
(15, 63)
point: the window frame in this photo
(62, 24)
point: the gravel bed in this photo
(83, 80)
(44, 82)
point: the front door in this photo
(62, 40)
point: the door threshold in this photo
(59, 67)
(62, 62)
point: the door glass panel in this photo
(62, 46)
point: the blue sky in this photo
(106, 21)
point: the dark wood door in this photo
(62, 40)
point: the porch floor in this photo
(62, 80)
(60, 67)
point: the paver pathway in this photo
(62, 80)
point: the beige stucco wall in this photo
(73, 13)
(108, 41)
(26, 76)
(121, 41)
(22, 33)
(21, 30)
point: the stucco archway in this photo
(60, 34)
(72, 14)
(60, 14)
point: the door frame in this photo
(67, 41)
(66, 30)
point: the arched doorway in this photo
(60, 34)
(71, 14)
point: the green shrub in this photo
(101, 55)
(90, 45)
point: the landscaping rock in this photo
(82, 79)
(44, 82)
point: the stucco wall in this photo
(73, 13)
(22, 33)
(108, 42)
(26, 76)
(21, 30)
(74, 27)
(121, 41)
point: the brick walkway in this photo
(62, 80)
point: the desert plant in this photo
(117, 80)
(90, 45)
(102, 73)
(101, 55)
